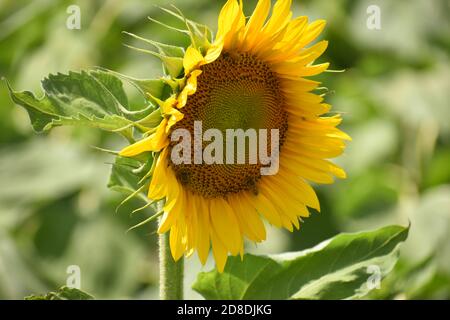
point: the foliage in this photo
(334, 269)
(63, 293)
(54, 206)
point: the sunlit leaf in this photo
(94, 99)
(340, 268)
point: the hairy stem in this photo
(170, 272)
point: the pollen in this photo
(237, 91)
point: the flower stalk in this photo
(171, 272)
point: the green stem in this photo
(170, 272)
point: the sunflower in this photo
(251, 75)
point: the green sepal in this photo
(164, 49)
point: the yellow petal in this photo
(192, 59)
(306, 172)
(312, 53)
(155, 142)
(174, 205)
(295, 70)
(337, 171)
(176, 242)
(274, 195)
(318, 124)
(312, 32)
(279, 205)
(253, 220)
(158, 187)
(203, 239)
(298, 189)
(214, 51)
(173, 188)
(305, 192)
(192, 224)
(275, 29)
(170, 112)
(255, 24)
(287, 48)
(225, 225)
(189, 89)
(265, 208)
(299, 85)
(219, 251)
(168, 105)
(297, 38)
(308, 151)
(318, 140)
(175, 116)
(246, 228)
(331, 132)
(230, 19)
(234, 37)
(295, 30)
(295, 200)
(281, 16)
(300, 109)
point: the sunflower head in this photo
(250, 76)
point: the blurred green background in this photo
(55, 208)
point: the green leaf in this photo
(154, 87)
(95, 99)
(64, 293)
(113, 85)
(76, 93)
(338, 268)
(127, 173)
